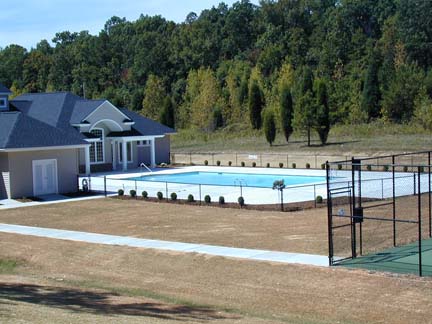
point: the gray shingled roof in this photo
(20, 131)
(3, 89)
(83, 108)
(145, 126)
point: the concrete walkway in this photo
(250, 254)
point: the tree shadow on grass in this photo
(104, 303)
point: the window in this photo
(143, 143)
(128, 151)
(2, 103)
(97, 147)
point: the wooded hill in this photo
(307, 63)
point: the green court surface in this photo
(403, 259)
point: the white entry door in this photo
(45, 177)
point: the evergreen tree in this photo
(371, 91)
(322, 112)
(167, 114)
(286, 112)
(269, 127)
(154, 95)
(256, 103)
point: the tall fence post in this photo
(166, 190)
(394, 200)
(200, 194)
(105, 186)
(419, 225)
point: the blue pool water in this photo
(231, 179)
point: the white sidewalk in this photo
(250, 254)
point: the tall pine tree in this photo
(256, 103)
(286, 111)
(371, 92)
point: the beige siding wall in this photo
(163, 149)
(4, 176)
(21, 170)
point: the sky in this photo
(26, 22)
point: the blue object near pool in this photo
(231, 179)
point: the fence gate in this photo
(342, 236)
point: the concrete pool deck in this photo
(375, 184)
(240, 253)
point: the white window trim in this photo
(119, 150)
(139, 143)
(94, 141)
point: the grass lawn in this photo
(361, 140)
(70, 282)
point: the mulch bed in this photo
(288, 207)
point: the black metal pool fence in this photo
(368, 215)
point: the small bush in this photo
(173, 196)
(294, 165)
(385, 168)
(281, 165)
(207, 199)
(218, 163)
(253, 164)
(221, 200)
(241, 201)
(191, 198)
(405, 168)
(144, 194)
(339, 166)
(307, 165)
(229, 163)
(323, 166)
(159, 195)
(243, 164)
(132, 193)
(369, 167)
(421, 169)
(120, 192)
(268, 165)
(319, 199)
(205, 162)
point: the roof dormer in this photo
(4, 98)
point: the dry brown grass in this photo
(70, 282)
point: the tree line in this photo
(284, 65)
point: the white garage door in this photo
(45, 177)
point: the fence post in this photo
(166, 190)
(190, 158)
(316, 164)
(105, 186)
(261, 160)
(200, 194)
(213, 159)
(419, 225)
(414, 182)
(382, 189)
(287, 161)
(315, 200)
(236, 160)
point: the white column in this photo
(124, 155)
(114, 155)
(87, 160)
(152, 154)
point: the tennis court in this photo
(403, 259)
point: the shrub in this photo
(294, 165)
(385, 168)
(268, 165)
(405, 168)
(159, 195)
(207, 199)
(120, 192)
(369, 167)
(205, 162)
(253, 164)
(229, 163)
(241, 201)
(307, 165)
(242, 164)
(132, 193)
(281, 165)
(173, 196)
(144, 194)
(339, 166)
(421, 169)
(323, 166)
(221, 200)
(190, 198)
(319, 199)
(218, 163)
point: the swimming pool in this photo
(231, 179)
